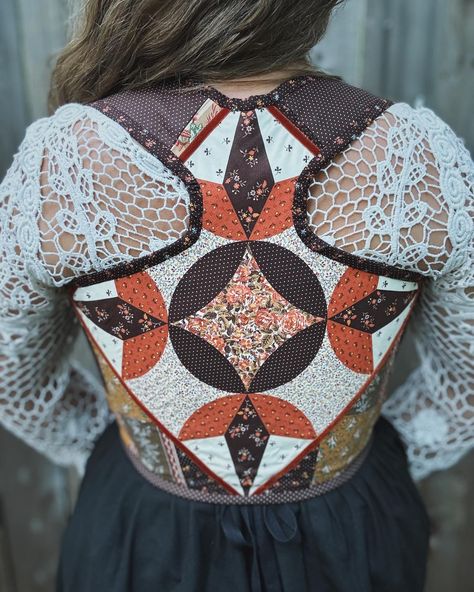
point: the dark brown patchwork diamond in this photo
(119, 318)
(374, 311)
(248, 177)
(247, 438)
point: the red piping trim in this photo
(203, 134)
(291, 127)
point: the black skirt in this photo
(371, 534)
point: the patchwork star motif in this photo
(248, 320)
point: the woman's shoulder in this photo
(425, 120)
(72, 125)
(77, 132)
(439, 150)
(417, 118)
(420, 177)
(63, 115)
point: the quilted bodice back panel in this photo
(248, 355)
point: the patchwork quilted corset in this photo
(249, 359)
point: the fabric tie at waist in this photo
(255, 526)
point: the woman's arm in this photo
(80, 196)
(45, 397)
(434, 408)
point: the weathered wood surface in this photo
(408, 51)
(399, 48)
(35, 496)
(31, 33)
(35, 499)
(12, 96)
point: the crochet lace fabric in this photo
(82, 195)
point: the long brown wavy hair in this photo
(122, 44)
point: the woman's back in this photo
(244, 270)
(394, 189)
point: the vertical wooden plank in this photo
(410, 48)
(12, 105)
(377, 31)
(395, 48)
(449, 496)
(7, 580)
(424, 51)
(34, 493)
(452, 66)
(36, 504)
(42, 28)
(341, 49)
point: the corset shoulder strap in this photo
(160, 111)
(332, 113)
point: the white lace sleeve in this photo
(45, 398)
(80, 195)
(434, 408)
(404, 195)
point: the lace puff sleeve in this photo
(80, 196)
(433, 409)
(46, 398)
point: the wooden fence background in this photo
(410, 51)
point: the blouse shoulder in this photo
(426, 127)
(87, 180)
(438, 176)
